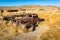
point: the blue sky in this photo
(29, 2)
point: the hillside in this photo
(45, 29)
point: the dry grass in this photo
(47, 30)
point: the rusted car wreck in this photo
(26, 20)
